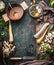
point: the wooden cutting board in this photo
(38, 27)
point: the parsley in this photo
(3, 28)
(51, 3)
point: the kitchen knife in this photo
(22, 58)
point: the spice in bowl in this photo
(35, 10)
(16, 12)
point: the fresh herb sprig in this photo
(51, 3)
(4, 27)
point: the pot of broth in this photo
(15, 11)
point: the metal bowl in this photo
(15, 5)
(32, 8)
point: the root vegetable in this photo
(6, 43)
(5, 46)
(7, 50)
(41, 30)
(42, 37)
(13, 48)
(10, 33)
(11, 45)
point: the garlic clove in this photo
(45, 40)
(49, 35)
(53, 32)
(48, 46)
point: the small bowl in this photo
(35, 11)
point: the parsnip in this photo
(42, 37)
(6, 43)
(5, 17)
(10, 33)
(41, 30)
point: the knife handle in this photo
(15, 58)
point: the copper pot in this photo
(16, 12)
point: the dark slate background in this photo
(23, 32)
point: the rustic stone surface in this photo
(23, 34)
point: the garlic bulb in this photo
(49, 37)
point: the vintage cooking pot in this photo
(16, 12)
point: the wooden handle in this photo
(16, 58)
(10, 33)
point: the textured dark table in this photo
(23, 32)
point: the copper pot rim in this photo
(15, 4)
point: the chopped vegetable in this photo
(8, 49)
(44, 47)
(45, 50)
